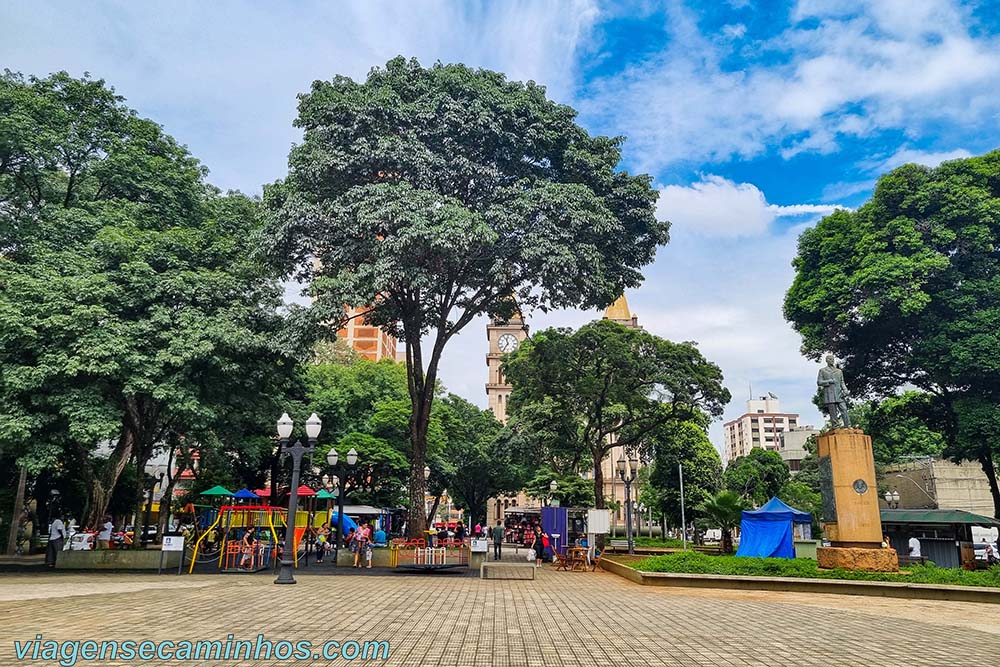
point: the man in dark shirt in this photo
(497, 534)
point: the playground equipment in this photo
(416, 555)
(237, 554)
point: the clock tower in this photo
(504, 338)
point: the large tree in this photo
(131, 309)
(580, 393)
(685, 444)
(434, 195)
(756, 477)
(906, 291)
(484, 461)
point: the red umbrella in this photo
(306, 491)
(264, 493)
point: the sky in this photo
(754, 117)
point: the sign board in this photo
(599, 522)
(173, 543)
(480, 546)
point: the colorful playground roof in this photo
(217, 491)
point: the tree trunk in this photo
(15, 520)
(986, 461)
(598, 483)
(103, 485)
(168, 495)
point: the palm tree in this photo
(725, 510)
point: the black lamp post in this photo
(340, 472)
(298, 450)
(627, 471)
(151, 482)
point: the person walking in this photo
(57, 537)
(497, 539)
(322, 537)
(360, 545)
(538, 545)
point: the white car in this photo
(83, 542)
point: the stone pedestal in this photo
(850, 517)
(850, 494)
(849, 558)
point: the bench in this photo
(709, 549)
(615, 545)
(504, 570)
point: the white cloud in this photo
(223, 77)
(880, 164)
(718, 207)
(841, 69)
(734, 30)
(908, 155)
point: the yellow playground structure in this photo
(249, 538)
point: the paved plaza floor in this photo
(561, 618)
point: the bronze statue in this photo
(831, 382)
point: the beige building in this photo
(505, 338)
(760, 426)
(940, 484)
(792, 446)
(502, 338)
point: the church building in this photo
(504, 338)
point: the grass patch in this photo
(696, 563)
(669, 542)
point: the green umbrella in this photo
(324, 495)
(217, 491)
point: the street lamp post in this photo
(892, 499)
(298, 450)
(340, 472)
(627, 470)
(151, 482)
(642, 510)
(553, 501)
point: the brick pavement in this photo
(561, 618)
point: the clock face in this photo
(507, 343)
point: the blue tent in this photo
(767, 532)
(245, 494)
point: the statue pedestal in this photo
(850, 515)
(848, 558)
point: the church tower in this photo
(504, 338)
(619, 312)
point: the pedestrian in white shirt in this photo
(104, 535)
(57, 536)
(914, 545)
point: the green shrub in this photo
(696, 563)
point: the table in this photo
(577, 557)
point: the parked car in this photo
(980, 550)
(83, 541)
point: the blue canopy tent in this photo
(245, 494)
(767, 532)
(349, 523)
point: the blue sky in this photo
(755, 117)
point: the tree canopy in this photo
(680, 443)
(579, 393)
(131, 308)
(756, 477)
(906, 291)
(432, 195)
